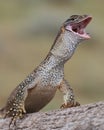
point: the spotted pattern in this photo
(49, 73)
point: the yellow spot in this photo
(14, 104)
(63, 29)
(13, 114)
(11, 109)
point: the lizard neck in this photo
(64, 46)
(61, 51)
(51, 61)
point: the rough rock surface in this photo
(85, 117)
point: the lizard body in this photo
(40, 86)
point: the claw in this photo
(15, 113)
(13, 121)
(68, 105)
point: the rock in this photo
(85, 117)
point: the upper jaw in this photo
(78, 27)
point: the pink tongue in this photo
(81, 31)
(85, 35)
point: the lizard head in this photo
(77, 25)
(71, 34)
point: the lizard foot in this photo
(71, 104)
(15, 113)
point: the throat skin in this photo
(62, 50)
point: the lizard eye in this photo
(74, 17)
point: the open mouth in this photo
(79, 27)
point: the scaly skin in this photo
(40, 86)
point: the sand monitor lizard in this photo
(39, 87)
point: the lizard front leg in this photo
(15, 107)
(69, 100)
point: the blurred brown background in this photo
(27, 31)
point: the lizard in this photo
(40, 86)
